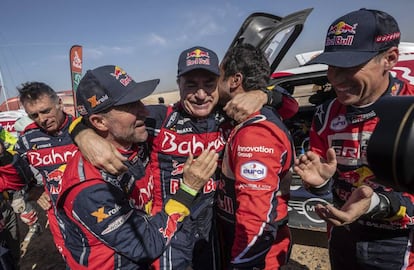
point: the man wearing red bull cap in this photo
(370, 225)
(103, 228)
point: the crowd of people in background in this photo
(204, 183)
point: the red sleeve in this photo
(10, 178)
(260, 153)
(317, 144)
(289, 107)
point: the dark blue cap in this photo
(198, 58)
(108, 86)
(357, 37)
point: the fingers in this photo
(331, 156)
(210, 162)
(330, 214)
(44, 201)
(198, 171)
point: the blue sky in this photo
(146, 37)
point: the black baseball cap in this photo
(107, 86)
(358, 36)
(198, 58)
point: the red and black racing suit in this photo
(371, 242)
(49, 153)
(103, 228)
(253, 194)
(14, 174)
(173, 134)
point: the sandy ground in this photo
(309, 251)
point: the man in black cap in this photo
(103, 228)
(369, 224)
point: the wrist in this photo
(323, 184)
(375, 200)
(268, 98)
(320, 190)
(188, 189)
(76, 127)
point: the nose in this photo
(201, 94)
(42, 118)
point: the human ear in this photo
(99, 122)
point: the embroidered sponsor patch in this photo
(339, 123)
(116, 223)
(253, 171)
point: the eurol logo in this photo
(339, 123)
(253, 171)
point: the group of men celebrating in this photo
(204, 183)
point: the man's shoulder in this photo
(407, 90)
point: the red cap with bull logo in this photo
(358, 36)
(198, 58)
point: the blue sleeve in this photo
(104, 211)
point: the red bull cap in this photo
(107, 86)
(198, 58)
(358, 36)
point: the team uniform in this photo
(14, 172)
(103, 227)
(48, 154)
(381, 240)
(173, 134)
(253, 194)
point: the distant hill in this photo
(14, 104)
(169, 97)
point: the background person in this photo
(370, 224)
(46, 145)
(14, 176)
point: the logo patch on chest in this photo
(253, 171)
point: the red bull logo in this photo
(178, 168)
(335, 34)
(57, 174)
(171, 226)
(342, 28)
(198, 57)
(197, 53)
(118, 72)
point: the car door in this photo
(274, 35)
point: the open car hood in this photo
(274, 35)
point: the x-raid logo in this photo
(198, 57)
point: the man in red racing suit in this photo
(370, 225)
(103, 228)
(347, 130)
(253, 191)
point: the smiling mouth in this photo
(201, 105)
